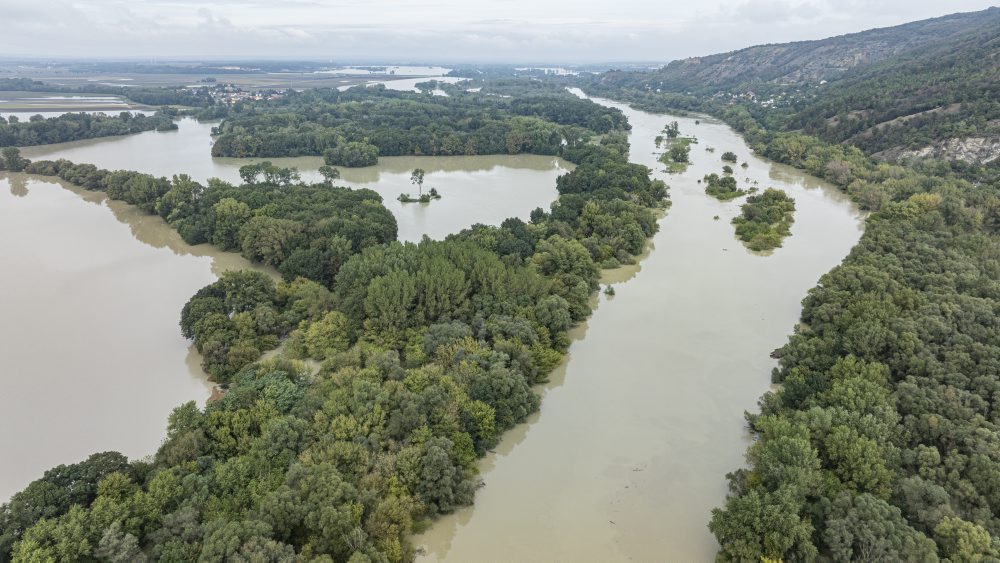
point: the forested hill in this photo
(934, 92)
(805, 62)
(946, 90)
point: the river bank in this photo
(637, 430)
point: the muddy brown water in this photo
(636, 431)
(475, 189)
(90, 296)
(91, 290)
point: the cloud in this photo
(777, 11)
(437, 30)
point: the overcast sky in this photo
(437, 30)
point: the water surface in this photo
(474, 189)
(91, 356)
(638, 428)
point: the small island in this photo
(417, 178)
(765, 220)
(722, 188)
(677, 156)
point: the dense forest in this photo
(354, 127)
(426, 353)
(883, 440)
(38, 130)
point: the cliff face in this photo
(973, 150)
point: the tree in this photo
(12, 160)
(329, 173)
(763, 526)
(961, 540)
(417, 178)
(230, 216)
(268, 240)
(327, 336)
(865, 528)
(352, 154)
(680, 152)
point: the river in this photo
(474, 189)
(92, 290)
(92, 357)
(636, 431)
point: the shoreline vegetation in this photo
(873, 446)
(429, 353)
(36, 130)
(765, 220)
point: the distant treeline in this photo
(354, 127)
(38, 130)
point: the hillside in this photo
(928, 89)
(942, 100)
(807, 62)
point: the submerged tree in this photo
(417, 178)
(329, 173)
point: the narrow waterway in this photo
(91, 357)
(474, 189)
(637, 430)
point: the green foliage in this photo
(11, 159)
(429, 352)
(139, 94)
(352, 154)
(677, 156)
(880, 443)
(722, 188)
(355, 127)
(232, 321)
(79, 126)
(329, 173)
(302, 230)
(884, 336)
(765, 219)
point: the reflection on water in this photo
(628, 455)
(93, 359)
(474, 189)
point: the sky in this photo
(529, 31)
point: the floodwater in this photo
(91, 356)
(474, 189)
(637, 430)
(91, 290)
